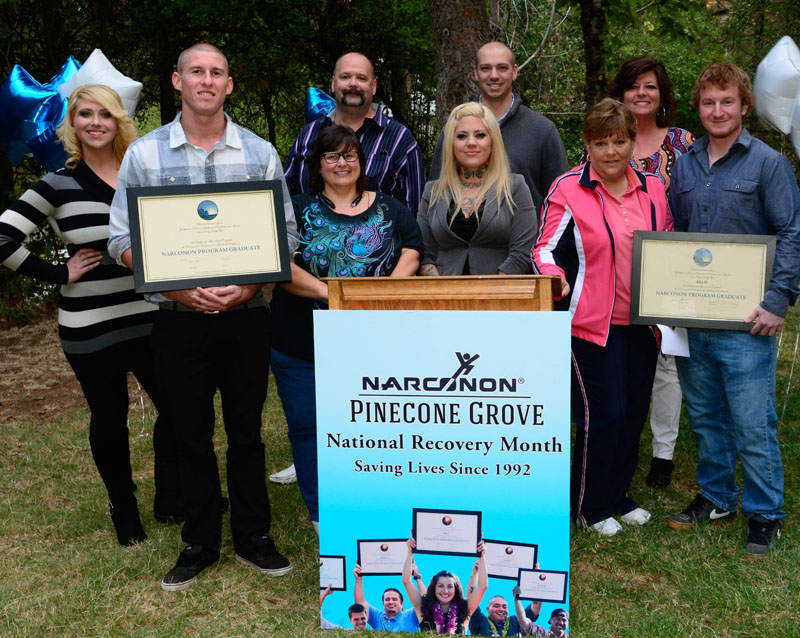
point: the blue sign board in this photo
(465, 413)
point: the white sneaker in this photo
(607, 527)
(315, 524)
(638, 516)
(289, 475)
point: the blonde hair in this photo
(109, 100)
(449, 187)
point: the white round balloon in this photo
(98, 70)
(777, 83)
(795, 135)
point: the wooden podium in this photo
(478, 292)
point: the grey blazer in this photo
(502, 242)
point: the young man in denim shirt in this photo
(730, 182)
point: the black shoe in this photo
(193, 560)
(127, 524)
(762, 533)
(700, 510)
(660, 474)
(173, 515)
(260, 554)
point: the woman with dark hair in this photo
(345, 231)
(443, 608)
(588, 221)
(643, 85)
(103, 324)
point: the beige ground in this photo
(36, 382)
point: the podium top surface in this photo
(473, 292)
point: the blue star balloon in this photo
(318, 103)
(31, 114)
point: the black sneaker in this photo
(700, 510)
(260, 554)
(193, 560)
(660, 474)
(762, 533)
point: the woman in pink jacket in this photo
(588, 220)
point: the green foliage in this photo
(278, 48)
(22, 298)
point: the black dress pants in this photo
(196, 354)
(611, 389)
(103, 378)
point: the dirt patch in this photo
(36, 382)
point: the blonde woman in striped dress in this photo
(104, 326)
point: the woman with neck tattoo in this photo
(477, 218)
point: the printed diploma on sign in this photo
(542, 584)
(332, 573)
(455, 532)
(699, 280)
(208, 235)
(504, 559)
(382, 557)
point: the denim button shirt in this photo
(752, 190)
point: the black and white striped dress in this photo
(101, 308)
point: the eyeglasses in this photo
(333, 157)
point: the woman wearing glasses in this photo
(345, 231)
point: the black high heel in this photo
(127, 523)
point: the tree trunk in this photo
(460, 27)
(166, 92)
(593, 24)
(495, 32)
(269, 114)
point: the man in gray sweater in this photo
(534, 147)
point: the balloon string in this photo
(787, 392)
(143, 432)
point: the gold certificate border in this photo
(699, 280)
(241, 240)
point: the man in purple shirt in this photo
(394, 160)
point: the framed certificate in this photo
(504, 559)
(454, 532)
(332, 572)
(543, 584)
(382, 557)
(699, 280)
(208, 235)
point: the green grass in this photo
(62, 573)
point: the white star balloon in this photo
(776, 85)
(98, 70)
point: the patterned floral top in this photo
(676, 142)
(335, 245)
